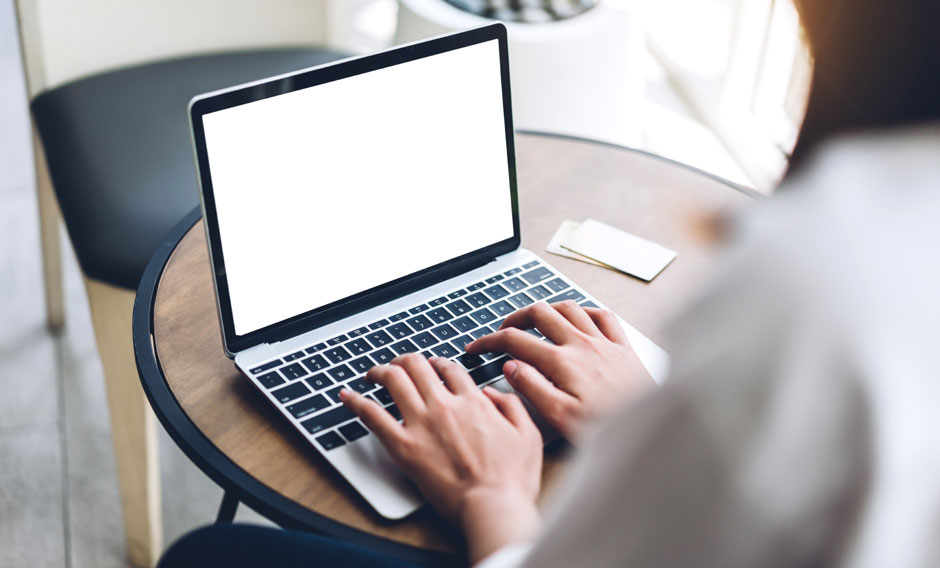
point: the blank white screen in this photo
(328, 191)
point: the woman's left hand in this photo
(476, 455)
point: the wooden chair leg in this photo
(49, 219)
(133, 425)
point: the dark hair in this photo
(876, 65)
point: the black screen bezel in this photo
(345, 307)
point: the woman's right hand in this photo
(587, 371)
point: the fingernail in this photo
(344, 394)
(509, 368)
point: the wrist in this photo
(494, 518)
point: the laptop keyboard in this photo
(306, 383)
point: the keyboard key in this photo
(570, 294)
(589, 304)
(361, 386)
(445, 350)
(362, 364)
(315, 348)
(337, 355)
(294, 371)
(470, 361)
(418, 309)
(439, 315)
(308, 406)
(353, 431)
(383, 356)
(399, 330)
(477, 300)
(379, 338)
(512, 271)
(496, 292)
(476, 286)
(294, 356)
(503, 308)
(398, 317)
(459, 307)
(424, 339)
(537, 275)
(420, 323)
(393, 410)
(457, 294)
(270, 380)
(267, 366)
(358, 346)
(480, 332)
(330, 440)
(427, 354)
(341, 373)
(539, 292)
(520, 300)
(376, 325)
(337, 340)
(315, 363)
(359, 331)
(557, 285)
(535, 332)
(383, 396)
(461, 342)
(290, 392)
(404, 346)
(328, 419)
(514, 284)
(494, 279)
(438, 302)
(489, 371)
(463, 324)
(319, 381)
(444, 332)
(530, 264)
(483, 316)
(334, 393)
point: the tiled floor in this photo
(58, 492)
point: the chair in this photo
(109, 83)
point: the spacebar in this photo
(328, 419)
(489, 371)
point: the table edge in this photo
(749, 191)
(208, 457)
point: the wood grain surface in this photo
(558, 179)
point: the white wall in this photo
(78, 38)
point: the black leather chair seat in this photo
(120, 155)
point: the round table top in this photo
(236, 438)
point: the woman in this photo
(798, 427)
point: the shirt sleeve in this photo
(750, 455)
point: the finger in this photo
(423, 375)
(510, 406)
(542, 393)
(544, 318)
(455, 377)
(608, 324)
(401, 387)
(376, 418)
(519, 344)
(578, 317)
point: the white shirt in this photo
(801, 425)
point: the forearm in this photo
(493, 519)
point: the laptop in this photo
(361, 210)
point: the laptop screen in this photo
(328, 191)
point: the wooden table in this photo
(237, 439)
